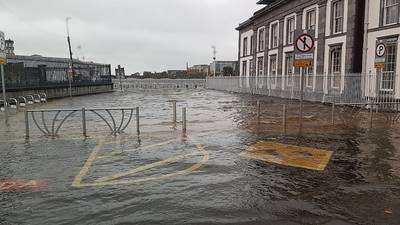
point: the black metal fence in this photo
(18, 77)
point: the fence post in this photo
(137, 121)
(284, 119)
(84, 122)
(26, 124)
(184, 121)
(301, 103)
(371, 115)
(333, 114)
(174, 111)
(258, 110)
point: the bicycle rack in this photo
(13, 103)
(22, 101)
(36, 98)
(43, 97)
(30, 99)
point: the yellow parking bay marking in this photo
(114, 179)
(144, 168)
(289, 155)
(113, 153)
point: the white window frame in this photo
(334, 18)
(245, 46)
(260, 47)
(273, 70)
(271, 41)
(288, 34)
(309, 73)
(307, 21)
(244, 68)
(333, 72)
(260, 71)
(385, 7)
(289, 77)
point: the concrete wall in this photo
(61, 92)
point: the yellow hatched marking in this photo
(289, 155)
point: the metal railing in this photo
(50, 121)
(344, 89)
(159, 83)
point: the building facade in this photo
(266, 40)
(199, 69)
(218, 67)
(383, 27)
(9, 47)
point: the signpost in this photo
(303, 58)
(380, 53)
(3, 60)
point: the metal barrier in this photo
(30, 99)
(160, 84)
(36, 98)
(58, 117)
(43, 97)
(2, 108)
(13, 103)
(22, 101)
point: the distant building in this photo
(120, 72)
(10, 47)
(199, 69)
(231, 68)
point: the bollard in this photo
(284, 119)
(258, 110)
(371, 115)
(84, 122)
(333, 114)
(184, 120)
(174, 111)
(137, 121)
(26, 124)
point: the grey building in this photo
(266, 40)
(9, 47)
(219, 66)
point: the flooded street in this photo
(164, 177)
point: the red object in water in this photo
(22, 186)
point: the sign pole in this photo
(304, 58)
(301, 102)
(4, 93)
(3, 60)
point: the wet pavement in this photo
(163, 177)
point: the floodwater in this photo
(164, 177)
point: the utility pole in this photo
(3, 60)
(120, 77)
(71, 65)
(214, 58)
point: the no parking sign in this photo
(380, 55)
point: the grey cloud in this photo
(141, 35)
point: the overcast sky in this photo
(142, 35)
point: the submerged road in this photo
(163, 177)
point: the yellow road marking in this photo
(289, 155)
(144, 168)
(110, 154)
(110, 180)
(85, 169)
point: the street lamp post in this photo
(70, 58)
(3, 60)
(214, 58)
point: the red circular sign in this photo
(304, 43)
